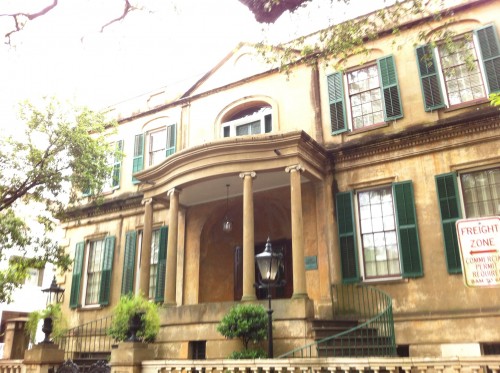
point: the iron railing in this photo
(370, 332)
(87, 341)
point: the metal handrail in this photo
(89, 340)
(373, 336)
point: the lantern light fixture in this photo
(227, 225)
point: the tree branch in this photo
(128, 8)
(19, 24)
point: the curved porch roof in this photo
(202, 172)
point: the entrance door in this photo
(286, 290)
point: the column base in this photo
(169, 304)
(248, 298)
(300, 296)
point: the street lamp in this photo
(54, 292)
(269, 263)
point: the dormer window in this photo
(252, 121)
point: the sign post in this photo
(479, 241)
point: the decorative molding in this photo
(295, 167)
(252, 174)
(393, 146)
(373, 182)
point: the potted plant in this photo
(135, 319)
(53, 323)
(248, 322)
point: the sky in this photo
(64, 53)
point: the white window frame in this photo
(442, 82)
(152, 263)
(149, 143)
(461, 189)
(108, 187)
(347, 95)
(259, 116)
(359, 237)
(85, 272)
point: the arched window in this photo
(252, 120)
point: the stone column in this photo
(42, 358)
(248, 238)
(146, 248)
(299, 268)
(173, 231)
(128, 357)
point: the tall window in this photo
(481, 193)
(465, 70)
(159, 144)
(153, 269)
(378, 233)
(158, 264)
(479, 197)
(94, 271)
(379, 239)
(253, 121)
(364, 95)
(461, 73)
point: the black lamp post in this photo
(269, 263)
(54, 292)
(54, 295)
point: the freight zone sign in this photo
(479, 241)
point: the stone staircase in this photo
(347, 338)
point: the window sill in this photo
(467, 104)
(91, 307)
(385, 281)
(369, 128)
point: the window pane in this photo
(155, 246)
(157, 146)
(460, 66)
(481, 191)
(94, 268)
(378, 233)
(364, 91)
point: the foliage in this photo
(248, 322)
(61, 152)
(248, 354)
(129, 306)
(495, 99)
(53, 311)
(343, 40)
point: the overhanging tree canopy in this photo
(61, 152)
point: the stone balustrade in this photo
(11, 366)
(481, 364)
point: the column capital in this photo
(295, 167)
(172, 191)
(147, 201)
(252, 174)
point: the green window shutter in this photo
(347, 237)
(338, 119)
(449, 207)
(129, 263)
(390, 88)
(117, 165)
(429, 78)
(171, 138)
(77, 275)
(138, 161)
(107, 267)
(490, 53)
(406, 222)
(162, 265)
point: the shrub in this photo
(128, 306)
(58, 321)
(248, 354)
(248, 322)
